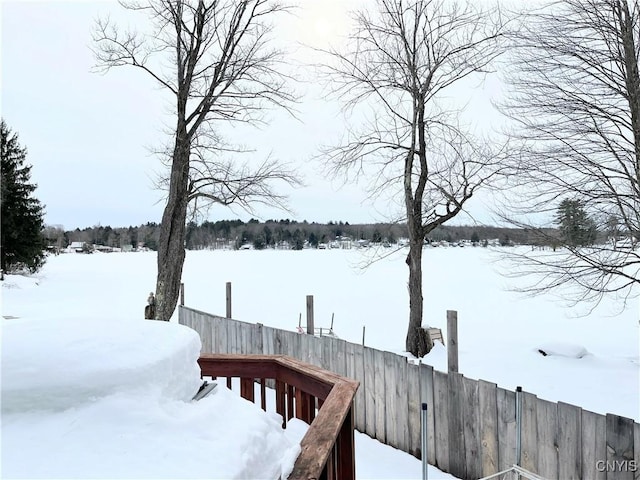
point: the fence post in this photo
(425, 444)
(452, 341)
(182, 294)
(228, 313)
(310, 326)
(518, 425)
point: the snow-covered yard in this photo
(592, 357)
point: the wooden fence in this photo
(471, 423)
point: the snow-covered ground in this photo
(592, 356)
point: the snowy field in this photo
(595, 354)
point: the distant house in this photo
(76, 247)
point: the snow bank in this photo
(55, 365)
(112, 399)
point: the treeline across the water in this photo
(236, 234)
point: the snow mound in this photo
(55, 365)
(20, 281)
(562, 350)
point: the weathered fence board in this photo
(359, 375)
(506, 403)
(471, 413)
(402, 401)
(339, 358)
(441, 421)
(594, 445)
(487, 403)
(619, 447)
(547, 420)
(426, 394)
(390, 398)
(569, 435)
(414, 411)
(457, 449)
(529, 436)
(380, 387)
(370, 391)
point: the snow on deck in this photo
(112, 399)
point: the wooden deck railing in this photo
(327, 449)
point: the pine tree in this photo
(22, 241)
(576, 227)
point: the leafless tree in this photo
(575, 99)
(214, 59)
(403, 58)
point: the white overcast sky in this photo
(88, 135)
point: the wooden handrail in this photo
(327, 449)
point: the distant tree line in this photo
(269, 234)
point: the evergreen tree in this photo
(576, 227)
(22, 241)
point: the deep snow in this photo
(592, 361)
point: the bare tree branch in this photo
(575, 99)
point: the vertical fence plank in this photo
(258, 338)
(198, 321)
(359, 375)
(547, 419)
(620, 432)
(402, 400)
(457, 464)
(390, 399)
(315, 346)
(277, 341)
(594, 445)
(569, 437)
(426, 395)
(325, 348)
(244, 338)
(529, 436)
(339, 355)
(370, 392)
(441, 422)
(506, 403)
(182, 316)
(487, 402)
(267, 340)
(414, 410)
(237, 327)
(472, 442)
(223, 337)
(305, 349)
(380, 387)
(215, 335)
(205, 336)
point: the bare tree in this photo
(575, 98)
(403, 59)
(213, 57)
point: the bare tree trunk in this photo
(171, 252)
(418, 341)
